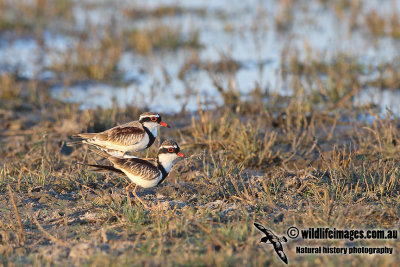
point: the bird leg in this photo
(127, 194)
(140, 200)
(85, 155)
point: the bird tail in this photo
(74, 143)
(102, 168)
(100, 152)
(84, 135)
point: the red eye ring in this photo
(170, 150)
(153, 118)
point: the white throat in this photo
(166, 160)
(152, 127)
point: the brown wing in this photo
(146, 169)
(126, 134)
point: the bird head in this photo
(152, 120)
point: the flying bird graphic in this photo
(274, 240)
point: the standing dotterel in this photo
(129, 137)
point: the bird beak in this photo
(164, 124)
(180, 154)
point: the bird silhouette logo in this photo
(273, 240)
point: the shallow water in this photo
(314, 27)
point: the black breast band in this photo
(151, 137)
(163, 172)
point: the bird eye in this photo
(153, 118)
(170, 150)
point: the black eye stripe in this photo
(164, 150)
(146, 119)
